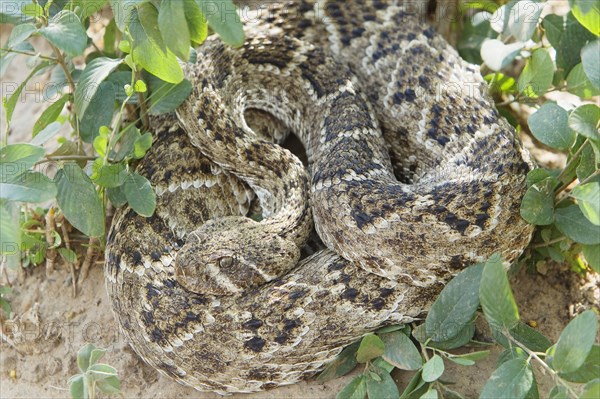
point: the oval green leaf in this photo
(575, 342)
(572, 223)
(455, 306)
(66, 32)
(79, 201)
(588, 199)
(139, 194)
(400, 351)
(433, 369)
(584, 120)
(370, 347)
(512, 380)
(496, 297)
(549, 125)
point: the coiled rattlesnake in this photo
(225, 306)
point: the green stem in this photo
(546, 244)
(43, 57)
(574, 158)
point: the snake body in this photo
(412, 175)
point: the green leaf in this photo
(116, 196)
(110, 385)
(592, 256)
(11, 102)
(512, 380)
(536, 77)
(496, 296)
(65, 31)
(589, 370)
(148, 50)
(83, 357)
(196, 22)
(139, 194)
(356, 389)
(469, 359)
(50, 115)
(430, 394)
(76, 388)
(456, 305)
(400, 351)
(537, 206)
(433, 369)
(167, 97)
(461, 339)
(79, 201)
(385, 388)
(591, 64)
(567, 36)
(528, 336)
(100, 371)
(588, 199)
(498, 55)
(30, 186)
(109, 176)
(579, 84)
(171, 14)
(344, 363)
(96, 355)
(416, 387)
(10, 229)
(140, 86)
(371, 346)
(19, 34)
(575, 342)
(123, 10)
(68, 255)
(584, 120)
(549, 124)
(103, 104)
(142, 145)
(7, 58)
(501, 83)
(223, 18)
(33, 10)
(46, 134)
(591, 390)
(572, 223)
(89, 83)
(588, 14)
(16, 159)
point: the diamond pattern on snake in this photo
(411, 175)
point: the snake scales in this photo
(228, 306)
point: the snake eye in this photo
(226, 261)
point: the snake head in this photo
(229, 255)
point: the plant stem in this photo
(534, 355)
(51, 158)
(43, 57)
(573, 159)
(546, 244)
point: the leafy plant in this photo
(94, 376)
(573, 359)
(559, 53)
(134, 74)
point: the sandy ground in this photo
(49, 326)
